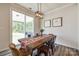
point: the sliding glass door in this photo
(29, 26)
(21, 24)
(17, 26)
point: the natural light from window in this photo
(21, 26)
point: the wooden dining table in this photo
(34, 43)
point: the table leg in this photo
(31, 52)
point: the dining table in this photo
(35, 42)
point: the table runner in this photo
(33, 41)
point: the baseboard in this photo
(4, 49)
(68, 46)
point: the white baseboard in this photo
(67, 46)
(4, 49)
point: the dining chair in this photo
(25, 52)
(51, 44)
(18, 52)
(46, 47)
(14, 50)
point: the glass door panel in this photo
(29, 26)
(18, 27)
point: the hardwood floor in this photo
(59, 50)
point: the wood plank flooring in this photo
(59, 50)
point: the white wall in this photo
(67, 34)
(78, 26)
(37, 25)
(4, 26)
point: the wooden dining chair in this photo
(18, 52)
(14, 50)
(46, 47)
(25, 52)
(51, 44)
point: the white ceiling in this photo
(45, 7)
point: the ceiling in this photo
(45, 7)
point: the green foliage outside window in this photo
(29, 27)
(18, 27)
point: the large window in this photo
(29, 25)
(21, 24)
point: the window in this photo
(29, 25)
(20, 25)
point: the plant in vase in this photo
(42, 30)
